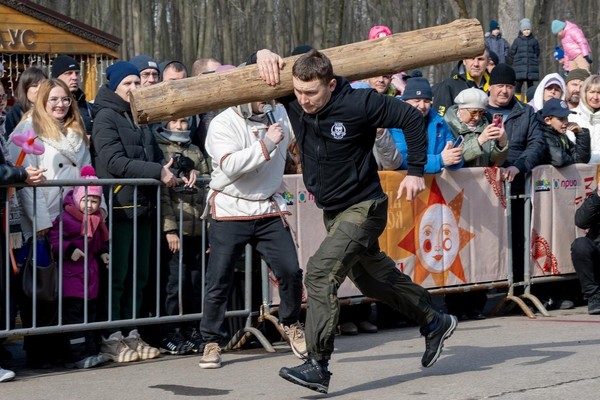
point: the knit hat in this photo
(556, 108)
(559, 54)
(301, 49)
(557, 26)
(525, 24)
(143, 62)
(417, 88)
(494, 25)
(503, 74)
(578, 73)
(494, 57)
(87, 172)
(118, 71)
(472, 98)
(379, 31)
(62, 64)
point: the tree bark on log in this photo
(402, 51)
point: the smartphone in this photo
(458, 141)
(497, 120)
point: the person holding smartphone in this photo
(485, 144)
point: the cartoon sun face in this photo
(438, 238)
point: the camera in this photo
(183, 166)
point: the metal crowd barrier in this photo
(247, 311)
(9, 297)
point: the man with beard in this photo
(574, 80)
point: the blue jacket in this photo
(438, 133)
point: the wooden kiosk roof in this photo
(32, 35)
(26, 27)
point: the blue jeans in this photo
(227, 239)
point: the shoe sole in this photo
(209, 365)
(7, 377)
(112, 358)
(308, 385)
(595, 311)
(447, 334)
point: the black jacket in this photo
(587, 216)
(12, 119)
(446, 91)
(526, 144)
(336, 143)
(560, 151)
(525, 52)
(85, 109)
(123, 149)
(9, 174)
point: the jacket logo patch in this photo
(338, 130)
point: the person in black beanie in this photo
(67, 69)
(526, 149)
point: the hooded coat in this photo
(74, 271)
(123, 149)
(525, 53)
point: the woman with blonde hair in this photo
(56, 123)
(587, 114)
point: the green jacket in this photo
(192, 204)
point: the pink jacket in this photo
(574, 42)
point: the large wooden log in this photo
(402, 51)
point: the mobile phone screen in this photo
(497, 120)
(459, 141)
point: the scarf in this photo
(94, 222)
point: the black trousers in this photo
(585, 254)
(273, 241)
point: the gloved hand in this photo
(588, 59)
(77, 254)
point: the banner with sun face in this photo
(556, 193)
(454, 233)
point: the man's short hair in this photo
(201, 66)
(313, 65)
(171, 65)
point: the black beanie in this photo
(63, 64)
(503, 74)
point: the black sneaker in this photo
(194, 341)
(594, 304)
(174, 344)
(310, 375)
(434, 340)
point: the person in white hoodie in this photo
(587, 114)
(552, 86)
(248, 156)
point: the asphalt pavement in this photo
(508, 357)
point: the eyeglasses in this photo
(147, 75)
(3, 97)
(474, 113)
(65, 101)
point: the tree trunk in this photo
(168, 100)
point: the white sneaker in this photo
(6, 375)
(144, 350)
(295, 336)
(114, 348)
(212, 356)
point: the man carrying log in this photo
(335, 127)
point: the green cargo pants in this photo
(351, 249)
